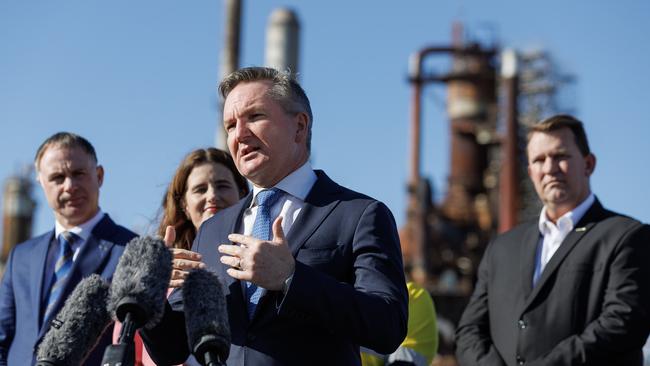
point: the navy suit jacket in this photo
(348, 287)
(589, 307)
(22, 289)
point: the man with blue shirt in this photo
(43, 271)
(571, 288)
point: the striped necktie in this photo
(61, 270)
(262, 231)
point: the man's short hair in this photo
(559, 121)
(285, 90)
(68, 140)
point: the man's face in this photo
(559, 171)
(266, 142)
(70, 180)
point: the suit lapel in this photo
(91, 256)
(591, 217)
(527, 255)
(38, 280)
(320, 201)
(94, 251)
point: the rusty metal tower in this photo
(491, 96)
(459, 225)
(17, 212)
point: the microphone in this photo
(206, 317)
(77, 327)
(138, 293)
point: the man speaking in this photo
(311, 270)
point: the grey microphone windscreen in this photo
(140, 282)
(206, 316)
(78, 325)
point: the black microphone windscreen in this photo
(140, 281)
(206, 316)
(78, 326)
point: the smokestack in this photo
(471, 97)
(18, 210)
(229, 60)
(282, 36)
(508, 180)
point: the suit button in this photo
(520, 360)
(522, 324)
(251, 337)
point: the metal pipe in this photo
(282, 36)
(508, 180)
(229, 60)
(415, 128)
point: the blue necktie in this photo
(61, 270)
(262, 231)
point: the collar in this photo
(297, 184)
(567, 221)
(84, 230)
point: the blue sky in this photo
(138, 78)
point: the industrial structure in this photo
(282, 41)
(229, 59)
(17, 213)
(492, 96)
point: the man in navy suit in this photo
(311, 270)
(43, 271)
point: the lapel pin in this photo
(580, 229)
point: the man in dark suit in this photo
(311, 270)
(43, 271)
(572, 288)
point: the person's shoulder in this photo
(350, 194)
(616, 230)
(42, 239)
(615, 223)
(108, 229)
(621, 217)
(605, 218)
(124, 235)
(325, 183)
(518, 231)
(356, 202)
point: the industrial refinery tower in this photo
(492, 96)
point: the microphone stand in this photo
(122, 353)
(208, 352)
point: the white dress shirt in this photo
(554, 234)
(83, 231)
(295, 188)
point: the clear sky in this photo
(138, 78)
